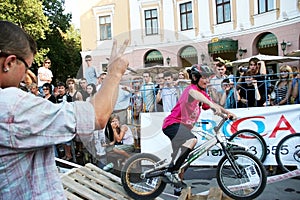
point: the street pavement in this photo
(201, 180)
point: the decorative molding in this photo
(107, 9)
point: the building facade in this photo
(184, 32)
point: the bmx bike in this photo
(287, 153)
(240, 174)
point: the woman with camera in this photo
(256, 70)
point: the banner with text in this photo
(273, 123)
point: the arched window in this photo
(152, 58)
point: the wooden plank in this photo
(105, 182)
(198, 197)
(214, 194)
(72, 196)
(185, 193)
(91, 182)
(80, 189)
(69, 172)
(225, 197)
(100, 171)
(98, 188)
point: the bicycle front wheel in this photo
(137, 186)
(288, 153)
(242, 178)
(253, 140)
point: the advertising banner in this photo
(273, 123)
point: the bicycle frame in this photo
(218, 139)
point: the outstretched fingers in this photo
(114, 54)
(123, 47)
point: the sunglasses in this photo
(47, 62)
(19, 58)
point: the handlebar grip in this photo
(222, 115)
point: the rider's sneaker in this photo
(175, 179)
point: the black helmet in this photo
(197, 71)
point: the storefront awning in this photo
(154, 55)
(223, 46)
(188, 52)
(268, 40)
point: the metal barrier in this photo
(265, 83)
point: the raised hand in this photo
(117, 63)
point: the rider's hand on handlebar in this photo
(231, 116)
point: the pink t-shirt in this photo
(187, 109)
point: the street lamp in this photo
(168, 59)
(202, 57)
(283, 47)
(242, 51)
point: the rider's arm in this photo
(202, 98)
(217, 109)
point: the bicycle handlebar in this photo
(224, 116)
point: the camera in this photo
(243, 69)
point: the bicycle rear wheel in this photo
(288, 153)
(250, 180)
(137, 186)
(253, 140)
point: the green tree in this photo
(63, 41)
(29, 15)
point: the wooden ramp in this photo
(92, 183)
(214, 194)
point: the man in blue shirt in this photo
(90, 71)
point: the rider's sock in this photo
(179, 158)
(177, 191)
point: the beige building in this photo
(184, 32)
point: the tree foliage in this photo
(64, 48)
(46, 21)
(29, 15)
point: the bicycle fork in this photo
(231, 159)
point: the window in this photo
(105, 27)
(151, 22)
(186, 16)
(265, 5)
(223, 11)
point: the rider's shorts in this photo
(178, 134)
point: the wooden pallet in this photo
(92, 183)
(214, 194)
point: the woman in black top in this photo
(47, 89)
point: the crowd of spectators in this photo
(251, 87)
